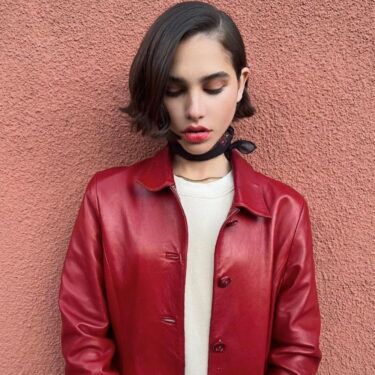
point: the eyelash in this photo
(177, 93)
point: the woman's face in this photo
(203, 90)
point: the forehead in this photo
(199, 56)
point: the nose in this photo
(194, 106)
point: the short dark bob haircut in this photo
(151, 66)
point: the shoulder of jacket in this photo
(275, 190)
(113, 176)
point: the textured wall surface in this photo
(64, 71)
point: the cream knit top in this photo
(206, 206)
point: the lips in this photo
(196, 134)
(196, 129)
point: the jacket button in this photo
(218, 347)
(224, 281)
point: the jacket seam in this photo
(108, 313)
(280, 284)
(95, 180)
(291, 246)
(263, 194)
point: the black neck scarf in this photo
(223, 146)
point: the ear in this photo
(245, 72)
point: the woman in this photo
(190, 262)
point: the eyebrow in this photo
(202, 79)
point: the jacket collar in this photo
(157, 173)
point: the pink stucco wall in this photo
(63, 70)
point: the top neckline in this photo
(212, 189)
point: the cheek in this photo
(172, 108)
(225, 104)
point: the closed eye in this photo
(209, 91)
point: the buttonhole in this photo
(171, 255)
(168, 320)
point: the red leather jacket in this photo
(122, 286)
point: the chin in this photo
(197, 148)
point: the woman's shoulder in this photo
(120, 175)
(261, 186)
(276, 186)
(280, 196)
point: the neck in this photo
(199, 170)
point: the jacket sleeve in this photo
(87, 345)
(296, 327)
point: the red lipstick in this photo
(196, 128)
(196, 134)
